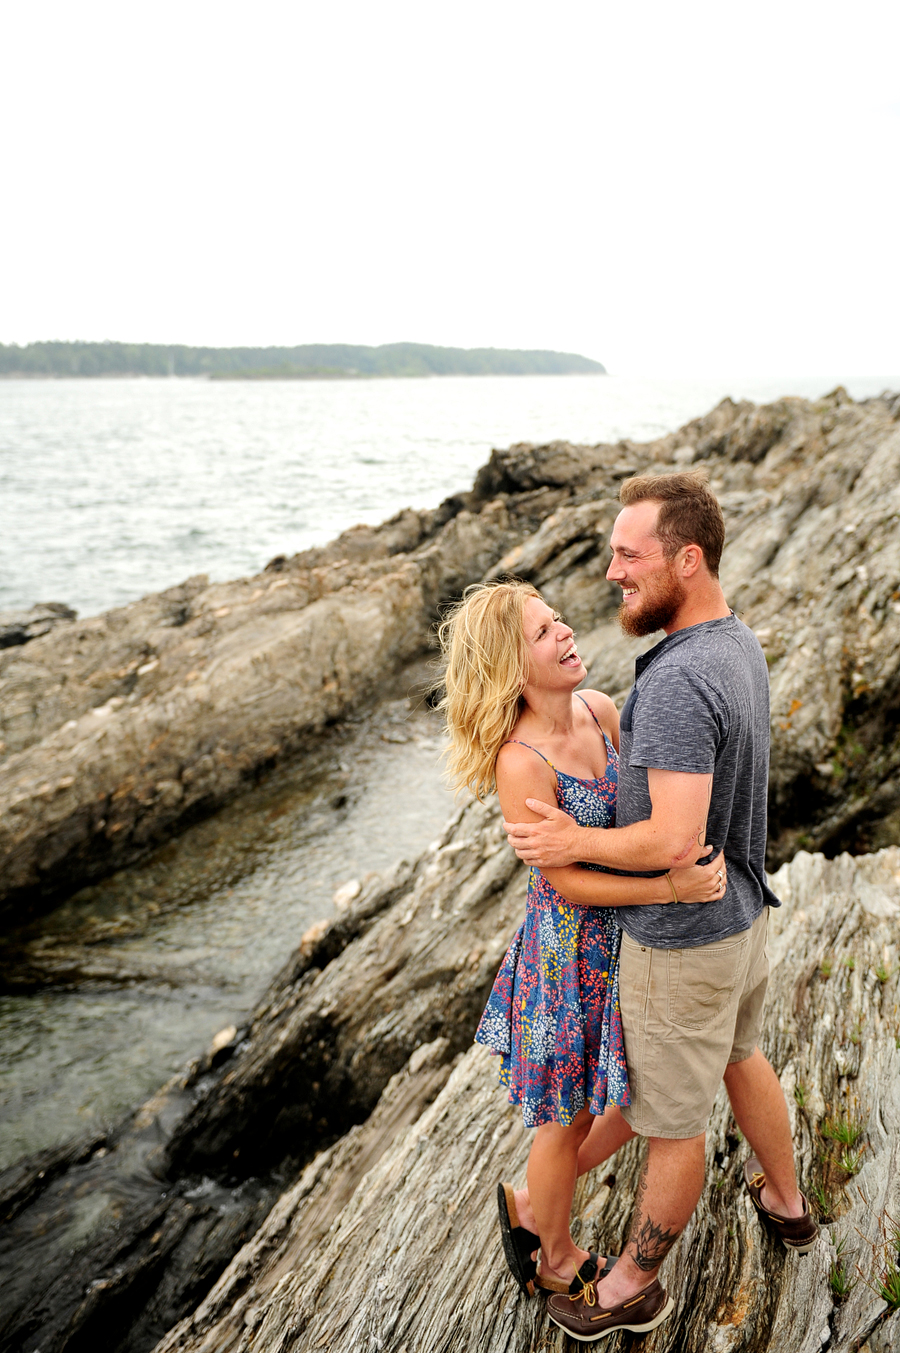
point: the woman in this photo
(516, 724)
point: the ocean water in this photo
(110, 489)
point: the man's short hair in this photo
(689, 513)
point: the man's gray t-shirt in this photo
(700, 703)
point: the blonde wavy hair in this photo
(485, 671)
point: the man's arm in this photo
(673, 835)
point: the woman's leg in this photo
(552, 1168)
(607, 1133)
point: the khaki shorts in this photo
(686, 1015)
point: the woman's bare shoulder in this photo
(601, 704)
(522, 773)
(514, 755)
(520, 761)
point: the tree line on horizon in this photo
(307, 361)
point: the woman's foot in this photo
(588, 1272)
(524, 1209)
(566, 1269)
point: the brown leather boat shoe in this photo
(795, 1233)
(584, 1318)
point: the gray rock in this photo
(18, 627)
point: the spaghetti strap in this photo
(519, 743)
(596, 721)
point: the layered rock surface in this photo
(388, 1238)
(117, 728)
(411, 1259)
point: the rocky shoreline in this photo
(352, 1096)
(118, 729)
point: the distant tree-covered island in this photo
(310, 361)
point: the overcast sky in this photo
(689, 188)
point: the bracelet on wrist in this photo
(672, 886)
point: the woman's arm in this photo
(589, 887)
(521, 775)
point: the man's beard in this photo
(659, 607)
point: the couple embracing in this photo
(636, 982)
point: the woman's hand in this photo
(701, 882)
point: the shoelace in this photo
(758, 1179)
(588, 1294)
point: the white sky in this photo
(687, 188)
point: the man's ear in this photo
(691, 560)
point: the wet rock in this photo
(107, 1244)
(424, 950)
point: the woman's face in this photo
(553, 660)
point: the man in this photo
(694, 760)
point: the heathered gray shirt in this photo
(700, 703)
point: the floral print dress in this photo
(553, 1014)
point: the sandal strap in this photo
(586, 1275)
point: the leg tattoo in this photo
(650, 1245)
(648, 1242)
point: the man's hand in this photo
(549, 844)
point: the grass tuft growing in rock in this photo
(884, 1279)
(823, 1204)
(846, 1131)
(840, 1279)
(851, 1161)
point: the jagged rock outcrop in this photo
(119, 727)
(387, 1239)
(411, 1259)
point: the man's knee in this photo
(748, 1068)
(684, 1148)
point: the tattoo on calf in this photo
(648, 1242)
